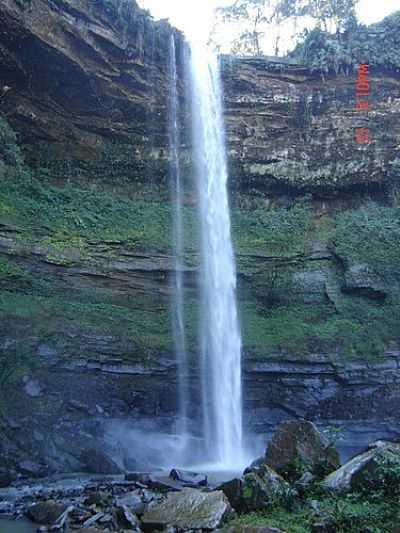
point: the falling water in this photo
(221, 342)
(178, 303)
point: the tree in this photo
(254, 17)
(328, 14)
(253, 14)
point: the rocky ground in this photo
(300, 470)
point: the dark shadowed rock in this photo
(45, 512)
(361, 468)
(189, 509)
(98, 462)
(188, 479)
(261, 487)
(299, 444)
(233, 491)
(257, 489)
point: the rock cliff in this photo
(85, 253)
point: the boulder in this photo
(99, 462)
(257, 489)
(132, 500)
(261, 487)
(189, 509)
(233, 490)
(45, 513)
(188, 479)
(297, 446)
(361, 468)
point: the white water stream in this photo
(220, 334)
(178, 300)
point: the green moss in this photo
(362, 329)
(12, 273)
(146, 330)
(71, 217)
(274, 231)
(71, 223)
(369, 235)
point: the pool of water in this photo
(16, 526)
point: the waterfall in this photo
(220, 334)
(178, 300)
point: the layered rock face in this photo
(85, 81)
(289, 129)
(85, 242)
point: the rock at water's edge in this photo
(299, 441)
(352, 474)
(45, 512)
(189, 509)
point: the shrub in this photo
(369, 235)
(384, 479)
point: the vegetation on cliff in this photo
(377, 44)
(256, 18)
(337, 43)
(291, 299)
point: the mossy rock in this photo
(262, 488)
(296, 447)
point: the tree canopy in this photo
(256, 17)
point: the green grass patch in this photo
(148, 330)
(13, 274)
(370, 235)
(291, 522)
(363, 329)
(272, 231)
(343, 514)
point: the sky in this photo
(194, 16)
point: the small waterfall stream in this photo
(178, 300)
(220, 334)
